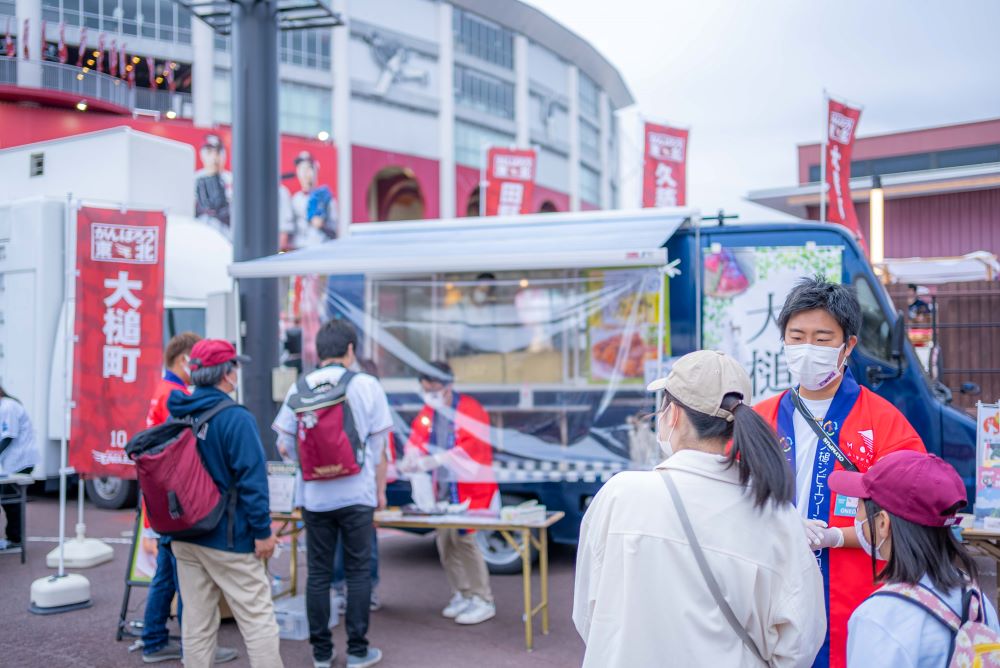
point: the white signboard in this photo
(987, 506)
(281, 486)
(744, 291)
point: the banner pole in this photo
(484, 150)
(822, 158)
(68, 298)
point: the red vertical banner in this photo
(841, 124)
(510, 178)
(664, 179)
(119, 334)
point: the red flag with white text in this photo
(100, 52)
(63, 51)
(113, 59)
(9, 50)
(510, 180)
(664, 179)
(119, 334)
(82, 49)
(841, 124)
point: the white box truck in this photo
(40, 187)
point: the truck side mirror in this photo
(898, 338)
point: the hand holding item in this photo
(265, 548)
(821, 536)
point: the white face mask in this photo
(813, 367)
(859, 529)
(479, 297)
(186, 366)
(433, 399)
(665, 445)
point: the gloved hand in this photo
(821, 536)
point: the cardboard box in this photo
(471, 369)
(545, 367)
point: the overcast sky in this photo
(748, 77)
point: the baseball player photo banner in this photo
(118, 330)
(510, 179)
(664, 179)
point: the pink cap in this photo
(211, 352)
(916, 486)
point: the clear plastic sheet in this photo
(557, 360)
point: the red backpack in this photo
(182, 499)
(328, 442)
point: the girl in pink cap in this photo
(910, 502)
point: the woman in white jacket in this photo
(642, 598)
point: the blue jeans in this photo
(339, 581)
(161, 593)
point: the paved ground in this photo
(409, 628)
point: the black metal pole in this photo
(255, 196)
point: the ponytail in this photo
(755, 451)
(758, 456)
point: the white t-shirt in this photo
(806, 442)
(892, 633)
(15, 424)
(370, 409)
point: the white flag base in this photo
(81, 552)
(59, 593)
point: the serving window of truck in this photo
(552, 324)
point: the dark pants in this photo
(353, 527)
(13, 512)
(161, 593)
(339, 581)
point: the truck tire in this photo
(112, 493)
(501, 558)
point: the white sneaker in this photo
(456, 606)
(478, 611)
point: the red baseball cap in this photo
(916, 486)
(212, 352)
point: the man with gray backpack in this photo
(335, 422)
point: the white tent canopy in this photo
(197, 257)
(537, 241)
(978, 266)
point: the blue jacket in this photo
(234, 457)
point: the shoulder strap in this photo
(346, 378)
(824, 438)
(925, 599)
(706, 571)
(204, 417)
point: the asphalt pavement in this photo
(409, 628)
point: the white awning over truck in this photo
(537, 241)
(978, 266)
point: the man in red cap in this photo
(229, 559)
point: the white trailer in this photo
(40, 187)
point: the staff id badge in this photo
(847, 506)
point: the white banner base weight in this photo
(81, 552)
(59, 593)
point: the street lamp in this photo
(876, 220)
(254, 25)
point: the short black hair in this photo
(911, 286)
(334, 338)
(439, 372)
(837, 299)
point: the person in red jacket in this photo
(820, 323)
(450, 438)
(176, 376)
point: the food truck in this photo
(554, 323)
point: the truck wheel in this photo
(501, 558)
(112, 493)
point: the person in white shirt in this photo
(641, 596)
(908, 509)
(17, 455)
(342, 509)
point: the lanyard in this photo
(823, 464)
